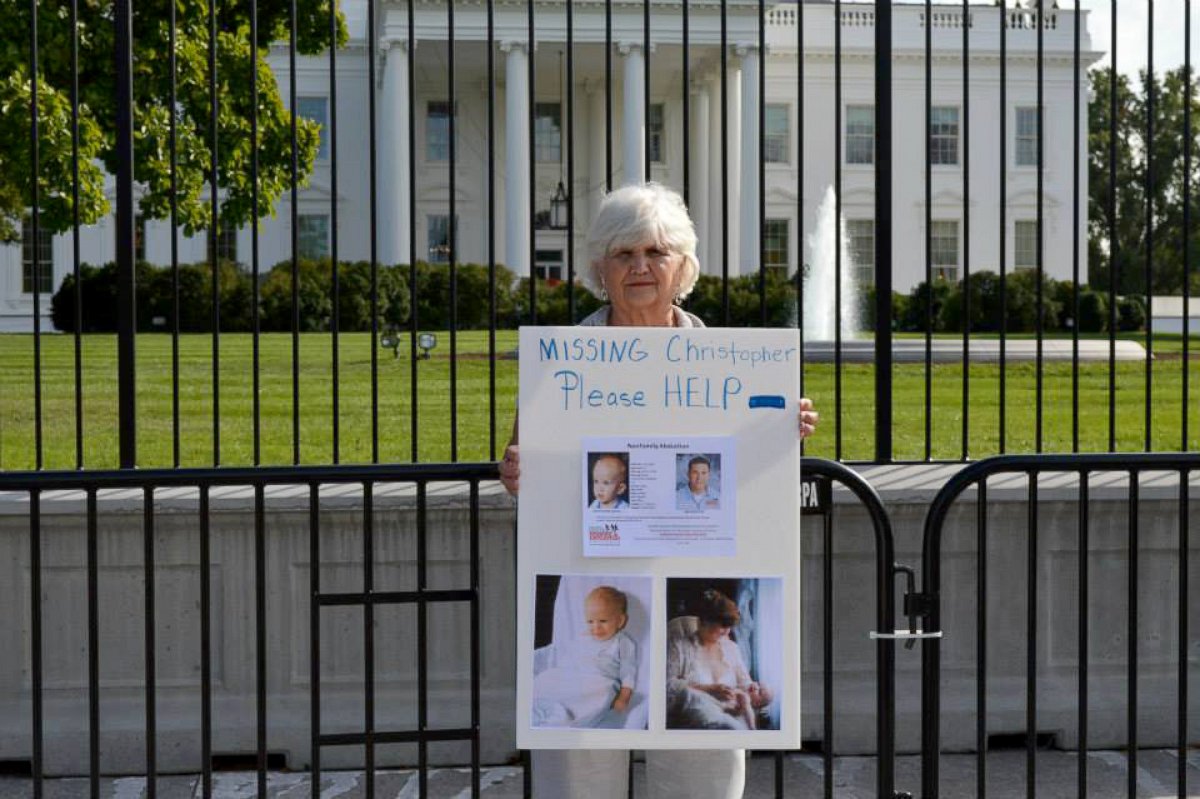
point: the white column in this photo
(734, 157)
(516, 150)
(633, 127)
(716, 156)
(698, 147)
(748, 249)
(597, 125)
(394, 243)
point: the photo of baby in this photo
(590, 633)
(724, 655)
(609, 486)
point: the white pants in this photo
(670, 774)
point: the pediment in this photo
(439, 194)
(1028, 199)
(782, 194)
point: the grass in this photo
(847, 427)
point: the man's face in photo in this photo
(698, 478)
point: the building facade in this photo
(708, 117)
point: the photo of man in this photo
(700, 483)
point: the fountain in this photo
(820, 319)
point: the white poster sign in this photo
(658, 539)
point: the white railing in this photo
(786, 16)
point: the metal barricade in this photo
(1086, 481)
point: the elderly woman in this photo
(642, 259)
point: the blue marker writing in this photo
(767, 401)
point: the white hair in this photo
(636, 215)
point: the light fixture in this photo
(426, 341)
(390, 340)
(558, 208)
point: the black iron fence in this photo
(205, 687)
(1020, 263)
(1076, 668)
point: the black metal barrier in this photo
(141, 487)
(1086, 473)
(306, 493)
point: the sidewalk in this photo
(854, 778)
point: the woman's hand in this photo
(510, 469)
(808, 418)
(719, 692)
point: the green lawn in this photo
(155, 427)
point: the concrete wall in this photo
(64, 593)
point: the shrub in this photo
(156, 298)
(745, 309)
(354, 296)
(315, 300)
(472, 289)
(553, 303)
(918, 313)
(313, 304)
(1131, 313)
(1093, 311)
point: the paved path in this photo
(803, 776)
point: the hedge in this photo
(911, 312)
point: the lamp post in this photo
(558, 208)
(560, 202)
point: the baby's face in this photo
(604, 618)
(608, 480)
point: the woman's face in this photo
(642, 278)
(712, 632)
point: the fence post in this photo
(883, 230)
(126, 288)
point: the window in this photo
(776, 149)
(943, 135)
(1027, 136)
(943, 249)
(314, 236)
(139, 238)
(438, 235)
(860, 134)
(437, 131)
(315, 109)
(226, 241)
(45, 258)
(548, 264)
(775, 243)
(1025, 244)
(860, 235)
(656, 133)
(547, 133)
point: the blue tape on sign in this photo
(767, 401)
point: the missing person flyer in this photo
(653, 496)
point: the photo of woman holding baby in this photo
(723, 658)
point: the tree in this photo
(153, 110)
(1166, 150)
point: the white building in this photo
(795, 181)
